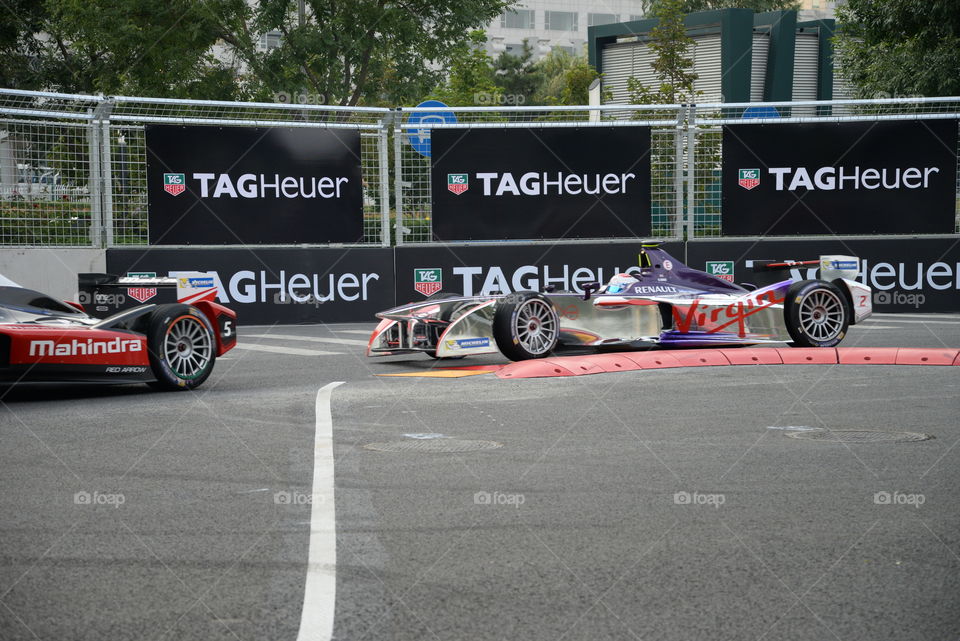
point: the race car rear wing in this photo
(102, 295)
(831, 268)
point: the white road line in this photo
(887, 319)
(319, 594)
(296, 351)
(927, 316)
(310, 339)
(362, 332)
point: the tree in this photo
(673, 66)
(518, 77)
(471, 79)
(900, 47)
(361, 51)
(134, 47)
(346, 53)
(692, 6)
(566, 79)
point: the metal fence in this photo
(412, 169)
(73, 168)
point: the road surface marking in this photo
(310, 339)
(296, 351)
(319, 594)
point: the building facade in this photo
(546, 24)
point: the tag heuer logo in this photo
(142, 294)
(721, 269)
(458, 183)
(174, 184)
(749, 178)
(428, 281)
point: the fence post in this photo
(103, 199)
(691, 171)
(383, 170)
(95, 184)
(106, 175)
(398, 176)
(678, 174)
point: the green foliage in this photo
(900, 47)
(347, 53)
(361, 51)
(471, 79)
(692, 6)
(136, 47)
(672, 64)
(517, 77)
(566, 79)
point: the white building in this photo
(556, 23)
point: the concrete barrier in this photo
(52, 270)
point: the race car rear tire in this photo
(816, 314)
(526, 326)
(182, 347)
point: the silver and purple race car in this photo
(662, 302)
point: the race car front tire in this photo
(525, 326)
(816, 314)
(182, 347)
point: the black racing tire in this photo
(526, 326)
(816, 314)
(182, 347)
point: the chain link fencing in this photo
(412, 132)
(706, 121)
(73, 167)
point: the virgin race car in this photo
(661, 303)
(172, 346)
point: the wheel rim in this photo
(188, 347)
(822, 315)
(536, 326)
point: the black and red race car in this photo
(169, 346)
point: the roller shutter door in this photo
(806, 67)
(758, 69)
(622, 60)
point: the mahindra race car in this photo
(662, 302)
(172, 346)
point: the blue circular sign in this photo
(420, 138)
(760, 112)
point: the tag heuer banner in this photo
(239, 185)
(840, 178)
(493, 184)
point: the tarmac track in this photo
(646, 504)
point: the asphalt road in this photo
(647, 505)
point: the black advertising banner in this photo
(513, 183)
(249, 186)
(285, 286)
(907, 276)
(481, 270)
(896, 177)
